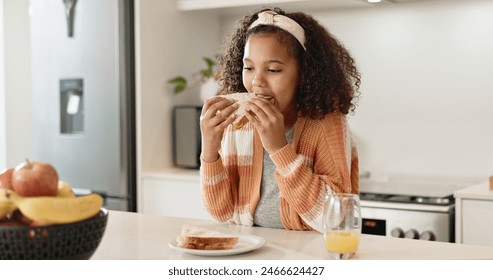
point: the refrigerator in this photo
(83, 92)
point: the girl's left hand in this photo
(269, 122)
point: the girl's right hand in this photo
(216, 115)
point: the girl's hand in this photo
(269, 122)
(216, 115)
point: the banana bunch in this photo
(45, 210)
(7, 206)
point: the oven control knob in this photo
(412, 234)
(427, 235)
(397, 232)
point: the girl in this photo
(296, 148)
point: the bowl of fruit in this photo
(42, 218)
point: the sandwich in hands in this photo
(193, 237)
(242, 99)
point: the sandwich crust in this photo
(239, 123)
(209, 239)
(206, 246)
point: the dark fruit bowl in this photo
(75, 241)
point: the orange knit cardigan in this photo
(322, 159)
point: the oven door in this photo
(408, 220)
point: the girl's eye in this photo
(247, 68)
(274, 70)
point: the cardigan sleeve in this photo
(216, 190)
(325, 160)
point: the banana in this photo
(59, 210)
(65, 190)
(7, 204)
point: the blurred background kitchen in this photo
(424, 119)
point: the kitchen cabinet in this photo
(173, 192)
(474, 215)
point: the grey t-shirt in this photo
(267, 213)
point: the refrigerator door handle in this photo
(69, 14)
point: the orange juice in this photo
(342, 242)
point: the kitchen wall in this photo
(3, 130)
(423, 108)
(15, 85)
(426, 97)
(169, 43)
(426, 94)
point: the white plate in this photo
(246, 243)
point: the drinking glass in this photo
(342, 225)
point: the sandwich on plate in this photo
(193, 237)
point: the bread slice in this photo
(242, 99)
(193, 237)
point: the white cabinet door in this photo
(173, 197)
(477, 222)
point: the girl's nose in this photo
(258, 80)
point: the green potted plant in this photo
(207, 82)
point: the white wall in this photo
(3, 130)
(16, 124)
(169, 43)
(427, 91)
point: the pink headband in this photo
(283, 22)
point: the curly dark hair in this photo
(329, 79)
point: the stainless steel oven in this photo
(409, 210)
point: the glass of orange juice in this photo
(342, 225)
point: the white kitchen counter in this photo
(478, 191)
(135, 236)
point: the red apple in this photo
(6, 178)
(32, 178)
